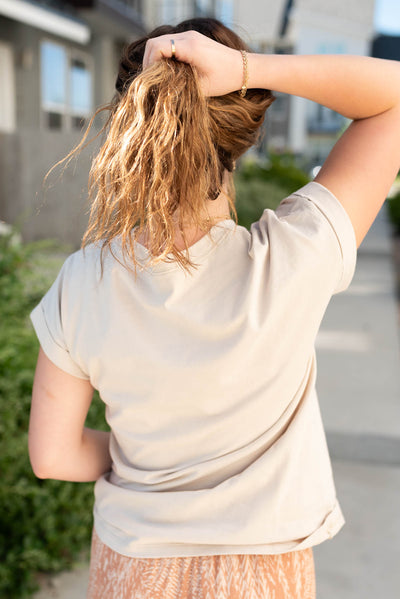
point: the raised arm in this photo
(364, 162)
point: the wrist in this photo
(257, 69)
(245, 81)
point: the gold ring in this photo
(172, 49)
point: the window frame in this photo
(8, 91)
(67, 114)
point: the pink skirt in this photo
(283, 576)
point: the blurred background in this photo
(58, 63)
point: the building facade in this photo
(160, 12)
(288, 26)
(329, 27)
(58, 61)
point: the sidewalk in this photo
(359, 389)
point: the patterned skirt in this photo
(283, 576)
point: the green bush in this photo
(393, 205)
(280, 169)
(44, 524)
(264, 186)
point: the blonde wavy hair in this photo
(167, 151)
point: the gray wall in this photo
(57, 211)
(60, 210)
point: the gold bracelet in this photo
(245, 73)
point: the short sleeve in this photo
(321, 206)
(47, 320)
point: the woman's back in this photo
(202, 374)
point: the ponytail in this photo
(158, 166)
(167, 151)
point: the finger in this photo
(157, 49)
(146, 55)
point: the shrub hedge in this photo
(393, 205)
(260, 186)
(45, 525)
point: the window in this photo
(174, 10)
(203, 8)
(224, 11)
(135, 4)
(280, 108)
(80, 93)
(320, 118)
(54, 83)
(7, 89)
(66, 87)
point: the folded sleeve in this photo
(321, 210)
(48, 322)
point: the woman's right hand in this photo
(220, 68)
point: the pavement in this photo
(358, 382)
(358, 356)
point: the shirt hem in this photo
(328, 529)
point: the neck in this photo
(215, 211)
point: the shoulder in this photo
(83, 262)
(309, 211)
(313, 196)
(309, 227)
(84, 256)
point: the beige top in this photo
(209, 382)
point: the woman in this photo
(215, 480)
